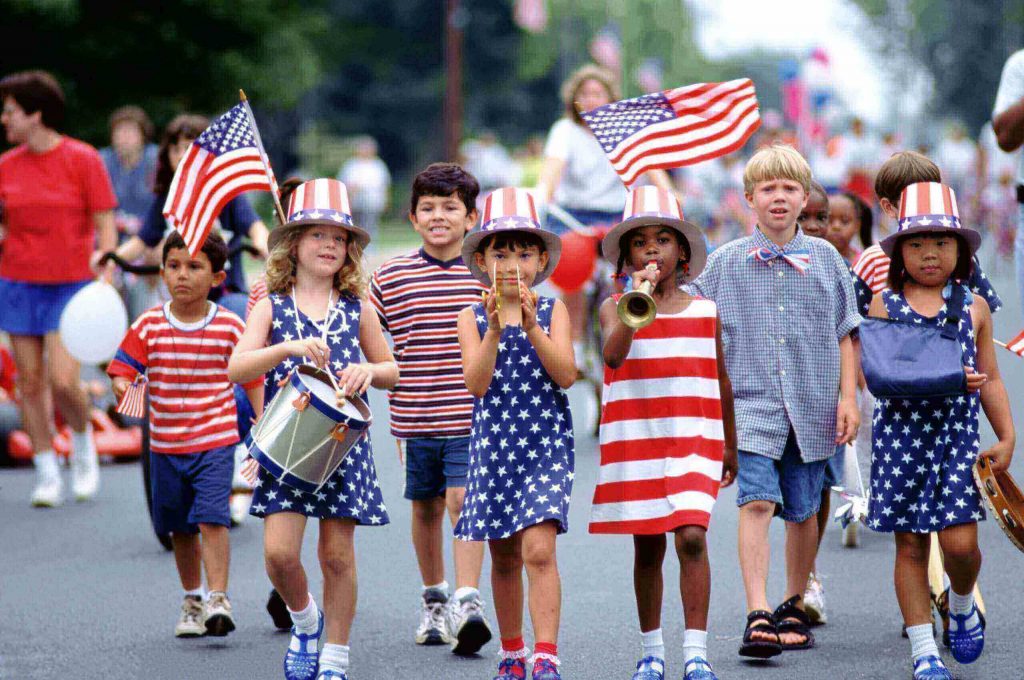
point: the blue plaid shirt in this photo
(780, 334)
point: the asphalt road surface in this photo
(87, 592)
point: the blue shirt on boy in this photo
(780, 335)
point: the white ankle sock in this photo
(46, 464)
(962, 605)
(922, 641)
(82, 443)
(307, 620)
(465, 591)
(334, 658)
(442, 586)
(653, 643)
(198, 592)
(695, 643)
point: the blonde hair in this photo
(283, 260)
(778, 161)
(572, 85)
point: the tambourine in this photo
(1004, 498)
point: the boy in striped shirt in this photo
(418, 297)
(183, 348)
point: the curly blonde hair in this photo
(281, 265)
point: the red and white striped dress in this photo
(661, 428)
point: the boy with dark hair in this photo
(418, 297)
(193, 424)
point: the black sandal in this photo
(760, 649)
(791, 619)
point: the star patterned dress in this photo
(521, 462)
(353, 491)
(923, 449)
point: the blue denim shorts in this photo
(834, 468)
(793, 485)
(34, 308)
(434, 465)
(191, 489)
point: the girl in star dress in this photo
(923, 449)
(517, 360)
(668, 432)
(315, 313)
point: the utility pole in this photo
(455, 20)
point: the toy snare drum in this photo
(304, 434)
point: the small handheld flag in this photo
(1016, 345)
(677, 127)
(226, 160)
(133, 401)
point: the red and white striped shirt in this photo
(872, 267)
(418, 299)
(662, 437)
(192, 402)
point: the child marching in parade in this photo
(668, 437)
(923, 448)
(316, 314)
(517, 359)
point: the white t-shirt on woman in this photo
(589, 182)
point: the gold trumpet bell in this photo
(636, 308)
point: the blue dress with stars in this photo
(353, 491)
(521, 462)
(923, 449)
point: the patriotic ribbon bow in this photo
(133, 402)
(800, 260)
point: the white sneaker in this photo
(466, 624)
(219, 621)
(433, 629)
(850, 538)
(49, 491)
(814, 601)
(85, 472)
(239, 504)
(192, 622)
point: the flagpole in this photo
(1001, 344)
(263, 156)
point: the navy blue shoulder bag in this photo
(914, 361)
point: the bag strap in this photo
(954, 310)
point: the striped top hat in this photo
(649, 205)
(505, 210)
(318, 201)
(929, 207)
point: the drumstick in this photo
(533, 296)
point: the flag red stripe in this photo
(680, 104)
(215, 181)
(692, 160)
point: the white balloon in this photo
(93, 323)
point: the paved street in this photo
(87, 592)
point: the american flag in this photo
(133, 401)
(676, 127)
(1017, 345)
(226, 160)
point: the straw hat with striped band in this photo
(318, 201)
(929, 207)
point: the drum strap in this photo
(329, 315)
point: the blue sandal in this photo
(511, 668)
(931, 668)
(698, 668)
(302, 665)
(331, 675)
(650, 668)
(965, 643)
(545, 669)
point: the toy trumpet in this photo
(636, 308)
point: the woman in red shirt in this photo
(57, 205)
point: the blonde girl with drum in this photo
(316, 313)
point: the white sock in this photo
(82, 443)
(922, 641)
(307, 620)
(442, 586)
(334, 658)
(198, 592)
(46, 464)
(464, 592)
(652, 643)
(695, 643)
(962, 605)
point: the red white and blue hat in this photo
(318, 201)
(649, 205)
(929, 207)
(505, 210)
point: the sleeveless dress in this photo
(923, 449)
(521, 460)
(353, 491)
(662, 437)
